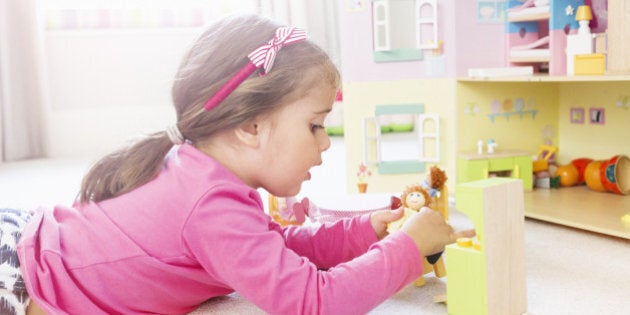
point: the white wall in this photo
(106, 87)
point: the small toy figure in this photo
(413, 199)
(435, 184)
(436, 178)
(491, 145)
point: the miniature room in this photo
(509, 117)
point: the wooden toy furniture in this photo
(618, 37)
(487, 275)
(505, 163)
(538, 34)
(590, 64)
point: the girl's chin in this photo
(292, 192)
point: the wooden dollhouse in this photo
(466, 106)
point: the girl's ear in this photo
(249, 133)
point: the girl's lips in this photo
(308, 176)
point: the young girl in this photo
(175, 219)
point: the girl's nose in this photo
(324, 144)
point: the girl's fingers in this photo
(464, 233)
(389, 215)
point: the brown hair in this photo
(213, 58)
(438, 177)
(415, 188)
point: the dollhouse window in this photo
(428, 137)
(403, 28)
(381, 25)
(401, 138)
(426, 19)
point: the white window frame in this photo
(372, 138)
(381, 44)
(422, 136)
(431, 21)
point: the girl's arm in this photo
(240, 247)
(333, 243)
(327, 245)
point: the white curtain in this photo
(21, 92)
(22, 82)
(319, 18)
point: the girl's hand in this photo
(430, 231)
(381, 218)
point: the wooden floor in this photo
(582, 208)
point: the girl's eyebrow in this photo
(324, 111)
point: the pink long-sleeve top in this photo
(195, 232)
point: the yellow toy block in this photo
(590, 64)
(487, 276)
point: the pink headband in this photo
(262, 56)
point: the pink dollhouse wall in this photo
(468, 42)
(479, 44)
(357, 50)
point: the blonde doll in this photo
(413, 199)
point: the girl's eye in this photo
(316, 127)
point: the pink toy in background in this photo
(291, 211)
(288, 211)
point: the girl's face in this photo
(415, 200)
(295, 142)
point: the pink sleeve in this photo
(240, 248)
(331, 244)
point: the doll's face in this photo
(415, 200)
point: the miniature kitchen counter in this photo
(473, 166)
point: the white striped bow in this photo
(266, 54)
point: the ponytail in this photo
(125, 169)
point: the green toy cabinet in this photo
(486, 275)
(514, 164)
